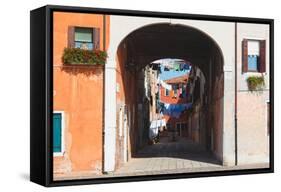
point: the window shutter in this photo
(262, 57)
(244, 55)
(96, 38)
(57, 132)
(70, 36)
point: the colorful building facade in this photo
(78, 95)
(178, 95)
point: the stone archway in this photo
(185, 40)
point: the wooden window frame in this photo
(92, 35)
(262, 56)
(95, 36)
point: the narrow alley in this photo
(169, 157)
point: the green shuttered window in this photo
(57, 132)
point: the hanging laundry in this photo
(175, 110)
(166, 69)
(176, 67)
(167, 64)
(186, 67)
(158, 79)
(182, 66)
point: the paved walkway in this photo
(167, 156)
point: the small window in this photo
(175, 90)
(58, 133)
(83, 38)
(167, 92)
(253, 56)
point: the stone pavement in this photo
(168, 157)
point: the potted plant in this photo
(255, 83)
(77, 56)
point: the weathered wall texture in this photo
(78, 91)
(253, 136)
(125, 96)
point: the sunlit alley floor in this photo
(169, 157)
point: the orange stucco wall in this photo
(78, 91)
(170, 99)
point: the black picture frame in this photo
(41, 94)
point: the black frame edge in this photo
(271, 94)
(40, 166)
(126, 12)
(38, 158)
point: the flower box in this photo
(255, 83)
(77, 56)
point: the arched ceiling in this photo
(158, 41)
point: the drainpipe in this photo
(103, 118)
(104, 32)
(235, 102)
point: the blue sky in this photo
(164, 75)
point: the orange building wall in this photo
(174, 100)
(170, 99)
(78, 91)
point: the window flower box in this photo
(77, 56)
(255, 83)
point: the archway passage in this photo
(136, 100)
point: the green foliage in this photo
(81, 56)
(255, 83)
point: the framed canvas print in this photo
(120, 95)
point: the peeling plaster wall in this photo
(126, 96)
